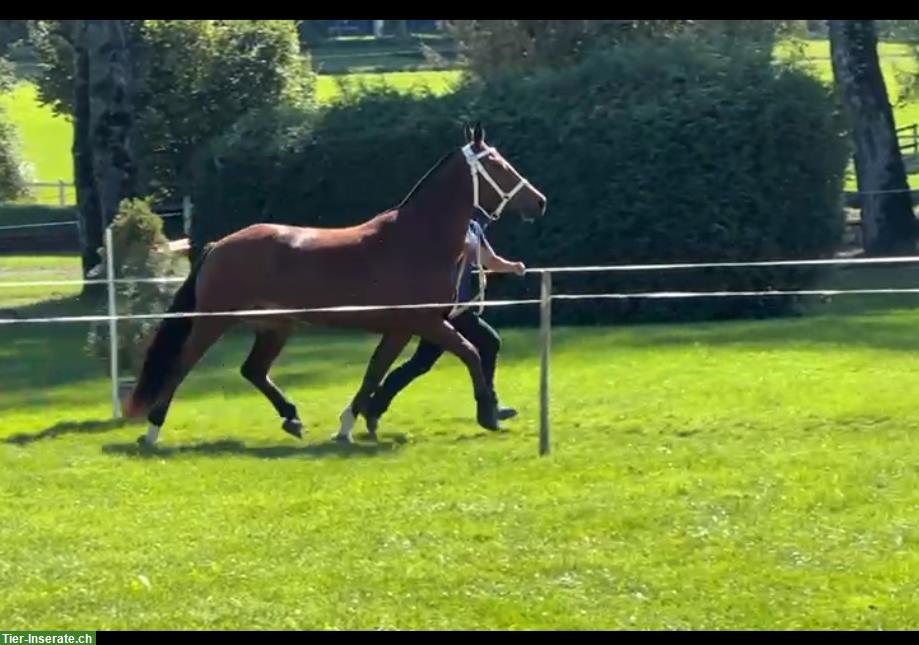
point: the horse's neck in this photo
(440, 210)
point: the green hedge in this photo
(652, 153)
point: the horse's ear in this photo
(478, 134)
(467, 132)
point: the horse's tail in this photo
(163, 354)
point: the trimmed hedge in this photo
(648, 154)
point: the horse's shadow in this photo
(67, 427)
(233, 447)
(385, 445)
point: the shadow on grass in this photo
(67, 427)
(235, 448)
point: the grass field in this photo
(439, 82)
(45, 141)
(37, 268)
(751, 475)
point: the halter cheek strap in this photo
(477, 168)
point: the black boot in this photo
(487, 412)
(372, 414)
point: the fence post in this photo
(915, 138)
(62, 192)
(112, 323)
(545, 337)
(186, 214)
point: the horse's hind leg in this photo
(204, 333)
(267, 347)
(387, 351)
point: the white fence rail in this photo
(545, 307)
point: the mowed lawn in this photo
(45, 141)
(328, 87)
(18, 275)
(748, 475)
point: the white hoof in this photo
(153, 433)
(347, 425)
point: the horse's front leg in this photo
(388, 349)
(445, 335)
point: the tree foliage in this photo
(654, 152)
(12, 170)
(496, 46)
(193, 78)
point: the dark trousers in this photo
(472, 327)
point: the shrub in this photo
(657, 152)
(140, 253)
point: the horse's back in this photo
(276, 265)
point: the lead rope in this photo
(483, 281)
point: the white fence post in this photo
(112, 323)
(545, 336)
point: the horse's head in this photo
(503, 185)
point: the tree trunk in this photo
(888, 223)
(111, 117)
(88, 206)
(402, 30)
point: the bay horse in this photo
(404, 256)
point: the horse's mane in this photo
(421, 181)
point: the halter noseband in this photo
(477, 168)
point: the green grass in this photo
(37, 268)
(438, 82)
(749, 475)
(45, 141)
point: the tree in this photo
(104, 169)
(402, 32)
(12, 32)
(12, 181)
(199, 77)
(522, 45)
(172, 86)
(111, 113)
(888, 223)
(193, 79)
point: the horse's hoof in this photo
(344, 439)
(293, 427)
(143, 442)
